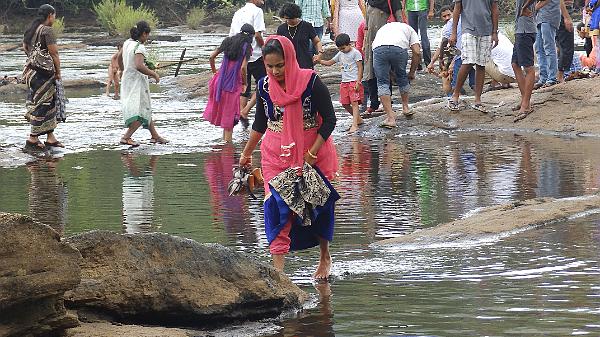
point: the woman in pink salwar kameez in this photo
(295, 114)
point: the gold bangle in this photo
(311, 155)
(244, 156)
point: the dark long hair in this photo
(42, 14)
(232, 46)
(273, 47)
(140, 28)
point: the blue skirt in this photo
(277, 214)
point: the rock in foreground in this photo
(161, 279)
(36, 269)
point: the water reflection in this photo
(317, 322)
(47, 194)
(228, 210)
(138, 194)
(540, 280)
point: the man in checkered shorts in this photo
(479, 35)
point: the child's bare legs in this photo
(324, 267)
(111, 78)
(228, 135)
(353, 109)
(116, 81)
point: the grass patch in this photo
(58, 26)
(195, 17)
(118, 18)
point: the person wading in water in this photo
(135, 87)
(41, 79)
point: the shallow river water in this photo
(542, 282)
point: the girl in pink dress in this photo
(223, 107)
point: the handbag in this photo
(38, 58)
(392, 17)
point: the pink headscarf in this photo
(296, 81)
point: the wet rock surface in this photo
(161, 279)
(36, 269)
(500, 220)
(12, 88)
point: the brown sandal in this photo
(54, 144)
(34, 146)
(159, 140)
(129, 141)
(522, 115)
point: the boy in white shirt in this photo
(351, 89)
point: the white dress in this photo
(349, 17)
(135, 87)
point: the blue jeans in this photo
(418, 22)
(386, 58)
(456, 69)
(311, 47)
(545, 44)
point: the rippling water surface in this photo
(545, 281)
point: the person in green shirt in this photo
(418, 12)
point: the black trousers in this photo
(565, 41)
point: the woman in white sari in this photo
(135, 87)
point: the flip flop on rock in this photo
(386, 126)
(453, 105)
(479, 107)
(522, 115)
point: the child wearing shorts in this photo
(351, 89)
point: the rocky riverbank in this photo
(106, 278)
(501, 220)
(567, 108)
(21, 89)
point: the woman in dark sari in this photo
(41, 107)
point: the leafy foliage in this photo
(118, 18)
(58, 26)
(195, 17)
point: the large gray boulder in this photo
(36, 269)
(162, 279)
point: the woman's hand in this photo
(245, 161)
(155, 76)
(310, 160)
(57, 76)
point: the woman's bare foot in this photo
(324, 268)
